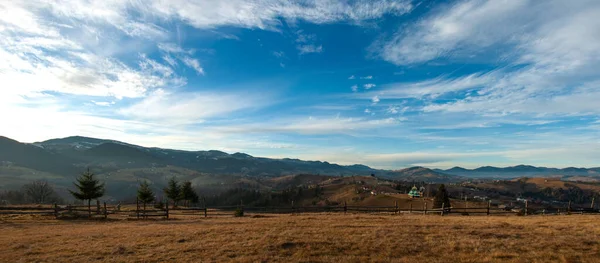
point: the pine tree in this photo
(173, 191)
(441, 197)
(188, 194)
(88, 188)
(145, 194)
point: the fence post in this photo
(137, 208)
(396, 207)
(593, 199)
(105, 211)
(205, 208)
(167, 208)
(488, 207)
(526, 207)
(55, 210)
(425, 208)
(293, 209)
(569, 208)
(97, 206)
(345, 207)
(242, 206)
(443, 209)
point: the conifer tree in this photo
(88, 188)
(188, 194)
(145, 194)
(173, 191)
(441, 197)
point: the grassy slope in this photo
(537, 184)
(315, 238)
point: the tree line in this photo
(88, 188)
(37, 192)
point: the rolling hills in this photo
(122, 165)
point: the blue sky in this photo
(389, 84)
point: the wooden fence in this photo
(105, 211)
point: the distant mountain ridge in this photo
(106, 155)
(72, 154)
(520, 171)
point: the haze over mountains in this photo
(72, 154)
(123, 165)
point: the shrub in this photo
(239, 212)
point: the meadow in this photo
(304, 238)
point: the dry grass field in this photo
(305, 238)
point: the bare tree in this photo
(39, 191)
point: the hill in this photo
(520, 171)
(26, 155)
(99, 152)
(422, 174)
(122, 166)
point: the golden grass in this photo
(306, 238)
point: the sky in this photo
(389, 84)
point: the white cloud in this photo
(103, 103)
(305, 49)
(352, 77)
(182, 54)
(435, 87)
(375, 100)
(174, 48)
(556, 46)
(266, 14)
(312, 125)
(463, 25)
(369, 85)
(193, 63)
(393, 110)
(354, 88)
(279, 54)
(192, 107)
(170, 60)
(24, 74)
(367, 77)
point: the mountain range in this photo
(123, 165)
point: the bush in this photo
(159, 205)
(239, 212)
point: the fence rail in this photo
(214, 211)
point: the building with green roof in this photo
(414, 192)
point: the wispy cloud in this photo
(192, 107)
(375, 100)
(313, 125)
(193, 63)
(266, 14)
(369, 85)
(278, 54)
(306, 49)
(464, 24)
